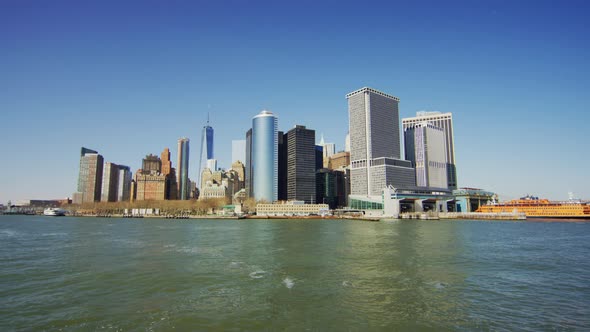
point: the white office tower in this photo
(426, 149)
(444, 121)
(375, 145)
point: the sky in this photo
(129, 78)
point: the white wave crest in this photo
(289, 283)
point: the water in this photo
(129, 274)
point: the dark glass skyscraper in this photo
(301, 164)
(182, 180)
(206, 148)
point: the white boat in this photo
(54, 212)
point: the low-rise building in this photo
(292, 208)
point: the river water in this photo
(320, 275)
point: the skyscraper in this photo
(444, 121)
(90, 177)
(301, 164)
(110, 180)
(282, 173)
(170, 173)
(375, 144)
(249, 185)
(425, 147)
(182, 179)
(265, 156)
(124, 185)
(206, 147)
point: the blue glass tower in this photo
(265, 151)
(206, 148)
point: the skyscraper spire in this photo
(322, 140)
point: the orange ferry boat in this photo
(535, 207)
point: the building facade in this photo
(150, 186)
(375, 144)
(339, 160)
(265, 156)
(170, 173)
(124, 184)
(182, 180)
(301, 164)
(90, 177)
(444, 121)
(110, 181)
(425, 147)
(292, 208)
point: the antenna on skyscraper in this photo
(207, 118)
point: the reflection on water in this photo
(122, 274)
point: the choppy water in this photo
(160, 275)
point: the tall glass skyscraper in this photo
(206, 148)
(182, 174)
(265, 150)
(90, 177)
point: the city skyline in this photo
(512, 75)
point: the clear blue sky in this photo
(128, 78)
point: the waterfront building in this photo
(425, 147)
(249, 183)
(292, 208)
(215, 191)
(265, 156)
(220, 183)
(110, 181)
(182, 179)
(444, 121)
(301, 164)
(149, 182)
(238, 150)
(124, 184)
(150, 186)
(206, 146)
(375, 145)
(331, 187)
(328, 150)
(90, 177)
(470, 199)
(339, 160)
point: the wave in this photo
(289, 283)
(258, 274)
